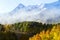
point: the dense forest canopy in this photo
(21, 30)
(25, 26)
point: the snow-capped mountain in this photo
(26, 8)
(45, 13)
(20, 6)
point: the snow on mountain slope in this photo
(45, 13)
(22, 13)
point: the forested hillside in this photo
(26, 30)
(54, 34)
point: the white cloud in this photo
(42, 15)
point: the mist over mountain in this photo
(54, 12)
(45, 13)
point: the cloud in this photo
(51, 15)
(40, 14)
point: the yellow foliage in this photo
(54, 34)
(7, 27)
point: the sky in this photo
(8, 5)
